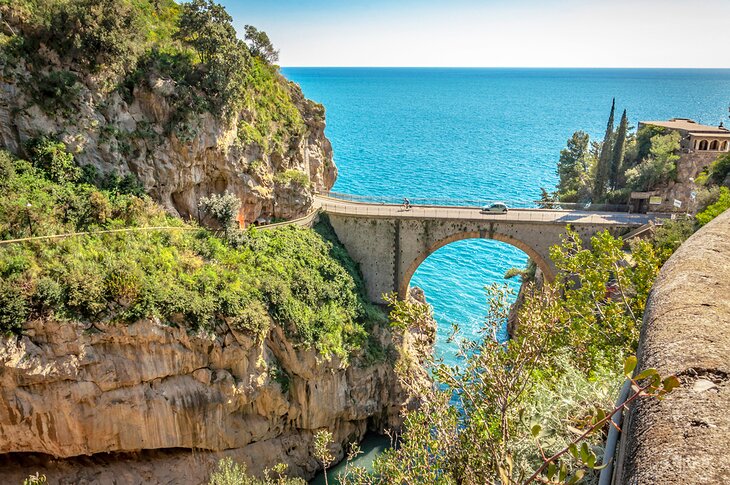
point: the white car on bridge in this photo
(496, 207)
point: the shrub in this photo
(52, 158)
(36, 479)
(223, 208)
(719, 170)
(302, 279)
(671, 234)
(48, 294)
(294, 177)
(715, 209)
(96, 34)
(253, 318)
(14, 308)
(7, 167)
(56, 92)
(659, 167)
(232, 473)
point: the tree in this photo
(619, 151)
(53, 160)
(659, 166)
(322, 451)
(206, 27)
(96, 33)
(642, 147)
(260, 45)
(604, 158)
(573, 167)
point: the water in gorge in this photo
(483, 134)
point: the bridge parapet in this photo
(479, 202)
(684, 438)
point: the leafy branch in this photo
(655, 386)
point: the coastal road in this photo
(547, 216)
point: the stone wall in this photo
(684, 439)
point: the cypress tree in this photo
(619, 150)
(603, 169)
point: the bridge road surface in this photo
(546, 216)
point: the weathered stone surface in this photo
(527, 288)
(685, 437)
(70, 391)
(389, 248)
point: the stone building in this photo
(696, 137)
(700, 146)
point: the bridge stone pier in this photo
(389, 243)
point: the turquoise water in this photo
(371, 447)
(485, 134)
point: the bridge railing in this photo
(447, 202)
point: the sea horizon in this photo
(516, 68)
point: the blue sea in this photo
(483, 134)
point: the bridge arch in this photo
(410, 270)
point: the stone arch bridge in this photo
(389, 242)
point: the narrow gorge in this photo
(147, 357)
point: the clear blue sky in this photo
(500, 33)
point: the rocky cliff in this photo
(74, 390)
(123, 137)
(155, 118)
(93, 398)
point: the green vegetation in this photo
(623, 162)
(36, 479)
(717, 173)
(261, 45)
(300, 279)
(522, 406)
(230, 473)
(292, 177)
(715, 208)
(123, 44)
(223, 208)
(659, 167)
(603, 167)
(606, 172)
(573, 169)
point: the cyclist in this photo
(406, 204)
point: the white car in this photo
(497, 207)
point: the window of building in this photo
(703, 145)
(714, 145)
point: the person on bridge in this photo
(406, 204)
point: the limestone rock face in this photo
(689, 167)
(178, 162)
(67, 390)
(526, 289)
